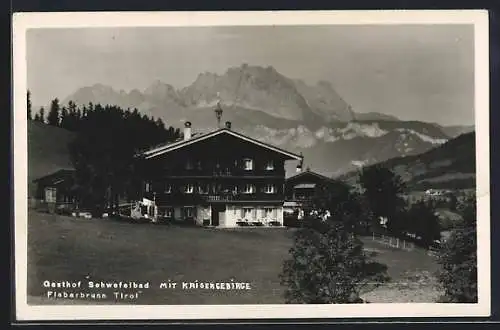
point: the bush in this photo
(458, 259)
(421, 220)
(328, 265)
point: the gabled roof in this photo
(58, 176)
(181, 144)
(309, 172)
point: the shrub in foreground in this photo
(458, 259)
(328, 265)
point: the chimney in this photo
(187, 130)
(300, 164)
(228, 124)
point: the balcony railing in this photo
(243, 197)
(219, 198)
(197, 198)
(222, 173)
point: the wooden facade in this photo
(301, 189)
(222, 178)
(56, 189)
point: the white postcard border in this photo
(24, 21)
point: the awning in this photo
(290, 204)
(305, 185)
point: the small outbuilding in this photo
(56, 189)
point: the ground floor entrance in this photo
(218, 214)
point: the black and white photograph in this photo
(251, 165)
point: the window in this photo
(269, 189)
(189, 188)
(50, 195)
(248, 164)
(268, 212)
(249, 189)
(168, 213)
(189, 165)
(147, 187)
(198, 165)
(189, 212)
(203, 189)
(270, 165)
(168, 188)
(247, 213)
(235, 189)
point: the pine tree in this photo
(421, 220)
(53, 116)
(383, 189)
(65, 120)
(42, 115)
(71, 120)
(29, 105)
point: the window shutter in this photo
(254, 213)
(275, 213)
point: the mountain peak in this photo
(247, 86)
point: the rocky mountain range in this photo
(261, 102)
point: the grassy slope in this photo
(47, 150)
(63, 248)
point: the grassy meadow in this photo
(75, 249)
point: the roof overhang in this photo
(181, 144)
(60, 174)
(305, 185)
(320, 176)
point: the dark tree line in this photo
(74, 118)
(103, 153)
(105, 148)
(28, 98)
(383, 191)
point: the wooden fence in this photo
(394, 242)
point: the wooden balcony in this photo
(197, 198)
(223, 173)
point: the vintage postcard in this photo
(251, 165)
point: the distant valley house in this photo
(302, 188)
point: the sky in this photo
(415, 72)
